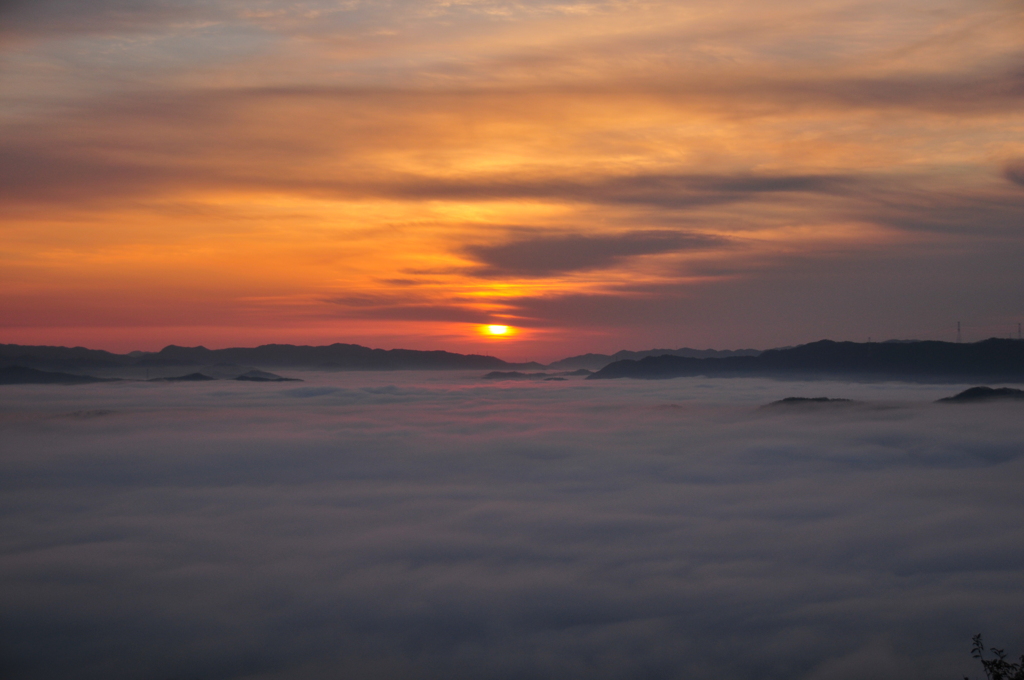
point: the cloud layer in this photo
(432, 526)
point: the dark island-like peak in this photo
(191, 377)
(256, 375)
(982, 393)
(808, 401)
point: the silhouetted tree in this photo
(997, 668)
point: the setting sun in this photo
(497, 330)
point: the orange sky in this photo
(597, 176)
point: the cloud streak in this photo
(547, 255)
(1014, 171)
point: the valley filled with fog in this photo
(436, 525)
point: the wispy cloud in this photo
(1014, 171)
(546, 255)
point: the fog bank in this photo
(429, 525)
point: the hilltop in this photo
(989, 360)
(598, 361)
(338, 356)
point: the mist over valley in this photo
(431, 524)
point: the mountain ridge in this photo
(338, 356)
(595, 361)
(993, 359)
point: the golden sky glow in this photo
(596, 176)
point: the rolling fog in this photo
(435, 525)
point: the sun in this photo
(497, 331)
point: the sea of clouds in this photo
(436, 525)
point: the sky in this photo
(435, 526)
(595, 176)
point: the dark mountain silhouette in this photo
(976, 394)
(598, 361)
(22, 375)
(256, 375)
(337, 356)
(515, 375)
(519, 375)
(191, 377)
(992, 360)
(807, 401)
(65, 358)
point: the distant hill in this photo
(989, 360)
(337, 356)
(595, 362)
(191, 377)
(257, 375)
(519, 375)
(515, 375)
(977, 394)
(66, 358)
(808, 401)
(22, 375)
